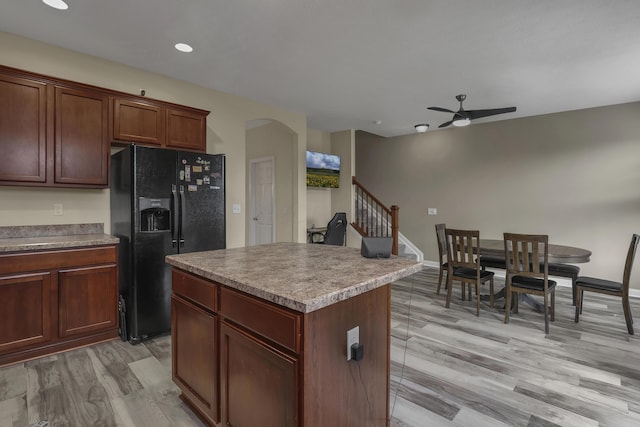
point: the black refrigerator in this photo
(163, 202)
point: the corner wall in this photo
(573, 175)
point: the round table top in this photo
(557, 253)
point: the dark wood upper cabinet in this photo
(23, 119)
(140, 122)
(58, 133)
(186, 130)
(81, 137)
(154, 123)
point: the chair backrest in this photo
(462, 247)
(442, 241)
(527, 255)
(336, 229)
(631, 254)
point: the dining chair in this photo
(463, 264)
(610, 287)
(527, 272)
(442, 253)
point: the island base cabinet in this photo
(195, 356)
(258, 383)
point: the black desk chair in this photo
(336, 231)
(603, 286)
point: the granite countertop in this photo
(43, 237)
(303, 277)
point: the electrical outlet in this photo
(57, 209)
(353, 337)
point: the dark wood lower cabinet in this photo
(56, 300)
(26, 310)
(259, 384)
(194, 340)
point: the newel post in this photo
(394, 228)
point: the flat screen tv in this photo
(323, 170)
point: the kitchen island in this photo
(259, 334)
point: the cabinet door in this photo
(81, 137)
(22, 130)
(194, 337)
(138, 122)
(25, 317)
(259, 384)
(186, 130)
(87, 300)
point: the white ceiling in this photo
(349, 63)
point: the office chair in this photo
(336, 231)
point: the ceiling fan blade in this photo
(476, 114)
(444, 110)
(445, 124)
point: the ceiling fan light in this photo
(422, 127)
(461, 122)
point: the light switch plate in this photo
(432, 211)
(57, 209)
(235, 208)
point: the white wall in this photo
(574, 176)
(225, 134)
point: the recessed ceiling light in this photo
(56, 4)
(422, 127)
(183, 47)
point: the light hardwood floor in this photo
(448, 368)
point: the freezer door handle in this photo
(174, 216)
(183, 211)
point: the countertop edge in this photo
(25, 244)
(304, 306)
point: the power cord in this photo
(364, 388)
(404, 357)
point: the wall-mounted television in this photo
(323, 170)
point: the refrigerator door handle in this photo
(174, 215)
(183, 212)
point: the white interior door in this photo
(262, 204)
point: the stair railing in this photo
(372, 217)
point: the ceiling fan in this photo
(463, 117)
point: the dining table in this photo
(558, 254)
(561, 254)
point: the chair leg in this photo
(477, 299)
(553, 305)
(546, 313)
(507, 307)
(515, 303)
(491, 292)
(578, 304)
(581, 299)
(439, 281)
(573, 288)
(627, 314)
(449, 286)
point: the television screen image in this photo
(323, 170)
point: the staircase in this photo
(374, 219)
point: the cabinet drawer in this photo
(193, 288)
(274, 323)
(55, 259)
